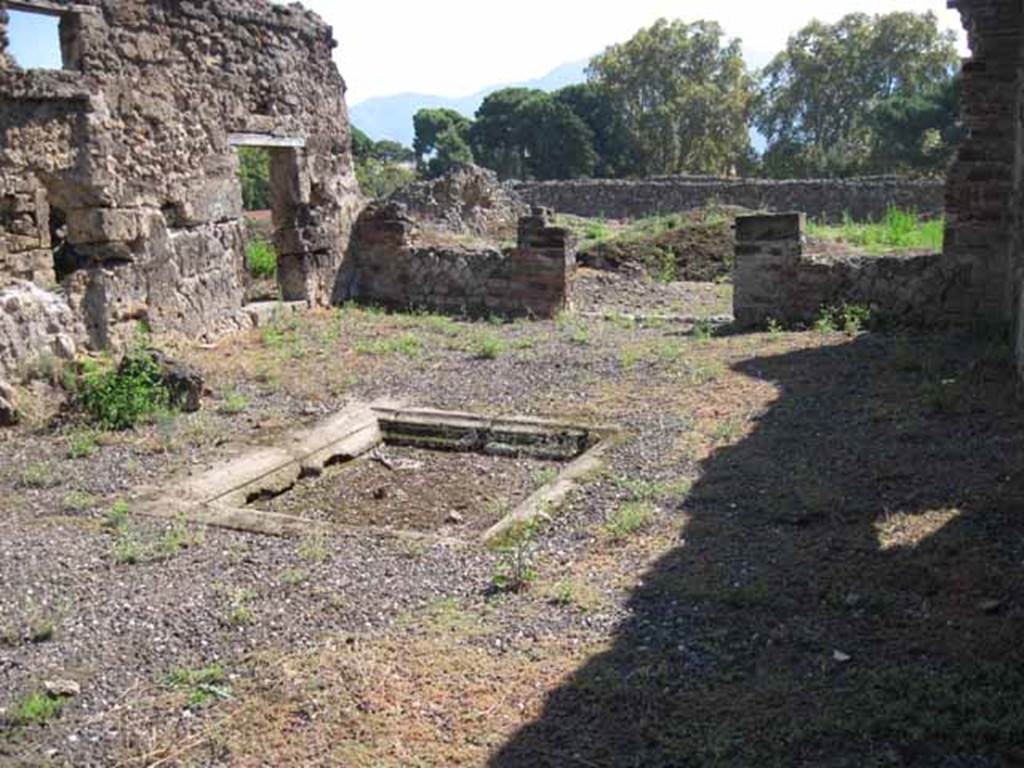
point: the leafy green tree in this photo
(617, 152)
(254, 175)
(684, 94)
(379, 179)
(442, 140)
(523, 133)
(557, 143)
(819, 96)
(918, 133)
(496, 135)
(362, 145)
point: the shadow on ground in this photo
(847, 591)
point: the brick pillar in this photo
(768, 250)
(982, 251)
(541, 268)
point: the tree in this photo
(442, 140)
(362, 145)
(819, 96)
(496, 135)
(684, 95)
(918, 133)
(557, 144)
(617, 152)
(254, 175)
(523, 133)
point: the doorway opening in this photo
(272, 199)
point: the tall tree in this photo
(254, 175)
(684, 94)
(557, 143)
(918, 133)
(496, 135)
(442, 139)
(819, 95)
(617, 152)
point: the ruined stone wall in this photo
(828, 199)
(132, 145)
(984, 239)
(468, 199)
(393, 267)
(778, 277)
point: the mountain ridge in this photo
(390, 117)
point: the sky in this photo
(457, 47)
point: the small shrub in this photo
(240, 613)
(35, 709)
(515, 570)
(628, 519)
(119, 398)
(261, 258)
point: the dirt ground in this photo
(807, 551)
(420, 490)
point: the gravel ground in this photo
(74, 608)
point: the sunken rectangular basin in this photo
(393, 470)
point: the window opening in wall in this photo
(35, 40)
(268, 175)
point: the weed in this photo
(39, 475)
(120, 397)
(117, 516)
(406, 344)
(668, 351)
(703, 330)
(515, 570)
(35, 709)
(79, 501)
(774, 327)
(128, 550)
(293, 577)
(240, 613)
(825, 321)
(628, 519)
(490, 347)
(580, 335)
(82, 444)
(315, 548)
(204, 686)
(260, 258)
(234, 402)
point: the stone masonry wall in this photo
(390, 268)
(129, 154)
(984, 249)
(776, 278)
(828, 199)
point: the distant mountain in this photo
(390, 117)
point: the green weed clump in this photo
(261, 258)
(118, 398)
(35, 709)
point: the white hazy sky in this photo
(455, 47)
